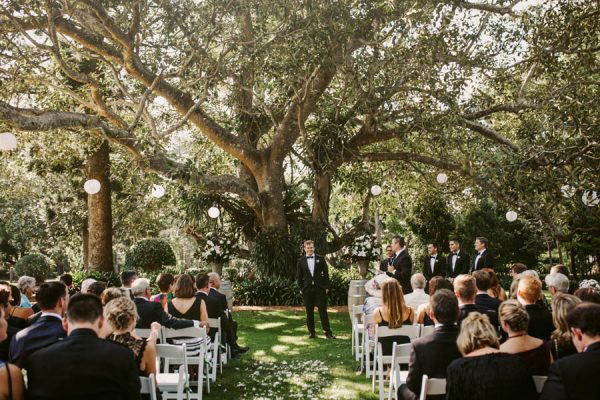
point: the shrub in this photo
(109, 277)
(36, 265)
(150, 255)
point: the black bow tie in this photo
(455, 254)
(310, 256)
(432, 256)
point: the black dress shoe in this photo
(241, 349)
(312, 336)
(330, 336)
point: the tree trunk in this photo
(560, 257)
(321, 197)
(86, 241)
(99, 211)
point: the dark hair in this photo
(202, 280)
(434, 244)
(454, 240)
(16, 296)
(561, 269)
(84, 307)
(96, 288)
(519, 268)
(184, 287)
(482, 240)
(67, 279)
(49, 293)
(127, 277)
(4, 296)
(444, 306)
(438, 282)
(588, 294)
(586, 317)
(400, 240)
(164, 281)
(483, 280)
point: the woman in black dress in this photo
(186, 304)
(484, 373)
(393, 314)
(560, 343)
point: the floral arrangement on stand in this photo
(219, 248)
(364, 249)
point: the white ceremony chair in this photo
(400, 356)
(367, 344)
(145, 334)
(432, 386)
(171, 385)
(148, 386)
(357, 328)
(539, 381)
(215, 349)
(427, 330)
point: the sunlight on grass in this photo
(261, 355)
(295, 340)
(269, 325)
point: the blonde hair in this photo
(514, 315)
(476, 332)
(392, 298)
(562, 303)
(530, 288)
(120, 313)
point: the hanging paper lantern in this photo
(441, 178)
(8, 141)
(158, 191)
(511, 216)
(214, 212)
(92, 186)
(590, 198)
(568, 191)
(375, 190)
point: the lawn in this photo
(283, 363)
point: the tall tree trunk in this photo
(99, 212)
(321, 197)
(560, 257)
(86, 241)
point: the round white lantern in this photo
(8, 141)
(590, 198)
(511, 216)
(375, 190)
(158, 191)
(568, 191)
(214, 212)
(92, 186)
(441, 178)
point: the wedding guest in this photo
(465, 290)
(482, 258)
(393, 314)
(96, 288)
(588, 294)
(26, 285)
(82, 365)
(485, 373)
(561, 343)
(112, 293)
(576, 377)
(229, 325)
(11, 379)
(557, 283)
(16, 310)
(127, 279)
(436, 283)
(560, 269)
(529, 292)
(533, 351)
(85, 285)
(185, 304)
(373, 289)
(165, 283)
(483, 281)
(418, 295)
(458, 260)
(517, 269)
(496, 290)
(67, 279)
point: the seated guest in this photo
(393, 314)
(18, 311)
(560, 269)
(561, 343)
(483, 282)
(150, 311)
(436, 283)
(533, 351)
(373, 289)
(67, 279)
(26, 285)
(52, 298)
(517, 269)
(576, 377)
(185, 304)
(540, 319)
(557, 283)
(433, 353)
(83, 366)
(15, 324)
(97, 288)
(112, 293)
(465, 290)
(588, 294)
(496, 291)
(484, 373)
(11, 380)
(127, 279)
(85, 285)
(418, 295)
(165, 282)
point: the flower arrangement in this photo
(218, 248)
(364, 247)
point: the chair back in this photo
(145, 334)
(192, 331)
(539, 381)
(412, 331)
(432, 386)
(167, 351)
(427, 330)
(148, 386)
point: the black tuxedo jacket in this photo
(403, 270)
(320, 279)
(45, 331)
(219, 297)
(430, 355)
(485, 261)
(439, 269)
(83, 366)
(540, 321)
(462, 266)
(151, 311)
(487, 301)
(467, 309)
(574, 377)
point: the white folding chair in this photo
(400, 356)
(432, 386)
(214, 350)
(539, 381)
(427, 330)
(148, 386)
(367, 344)
(193, 356)
(171, 384)
(145, 334)
(357, 328)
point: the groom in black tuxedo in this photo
(313, 278)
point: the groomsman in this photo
(389, 256)
(458, 260)
(400, 267)
(482, 258)
(434, 264)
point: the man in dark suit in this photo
(465, 290)
(83, 366)
(151, 311)
(458, 260)
(434, 264)
(482, 258)
(312, 275)
(389, 256)
(483, 281)
(52, 297)
(576, 377)
(433, 353)
(127, 279)
(401, 265)
(529, 291)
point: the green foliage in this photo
(429, 218)
(275, 253)
(150, 254)
(36, 265)
(110, 278)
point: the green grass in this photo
(283, 363)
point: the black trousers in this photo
(314, 296)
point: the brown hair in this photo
(588, 294)
(393, 299)
(562, 303)
(111, 293)
(494, 282)
(121, 313)
(184, 287)
(519, 268)
(483, 280)
(465, 286)
(514, 315)
(530, 288)
(164, 281)
(476, 332)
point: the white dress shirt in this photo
(416, 298)
(310, 261)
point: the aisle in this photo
(284, 364)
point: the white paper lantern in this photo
(375, 190)
(8, 141)
(568, 190)
(158, 191)
(214, 212)
(511, 216)
(441, 178)
(590, 198)
(92, 186)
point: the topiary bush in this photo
(150, 255)
(36, 265)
